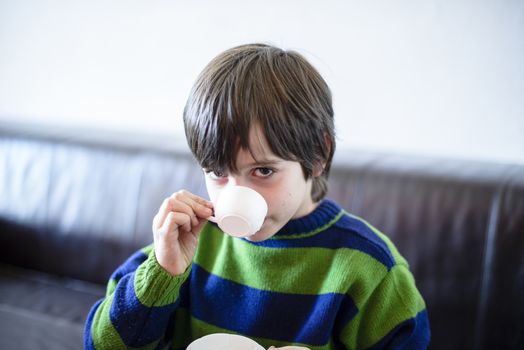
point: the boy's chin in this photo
(258, 238)
(266, 232)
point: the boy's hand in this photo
(176, 227)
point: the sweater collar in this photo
(326, 212)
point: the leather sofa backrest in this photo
(80, 208)
(460, 225)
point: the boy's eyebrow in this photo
(265, 162)
(260, 163)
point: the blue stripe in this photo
(130, 265)
(373, 243)
(137, 324)
(184, 294)
(348, 310)
(307, 319)
(412, 334)
(347, 232)
(88, 339)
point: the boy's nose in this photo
(236, 181)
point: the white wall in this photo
(419, 76)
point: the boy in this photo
(312, 277)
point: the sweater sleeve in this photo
(141, 297)
(394, 316)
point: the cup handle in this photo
(213, 219)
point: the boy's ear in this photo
(319, 168)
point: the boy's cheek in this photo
(212, 191)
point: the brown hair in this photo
(258, 84)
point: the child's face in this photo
(281, 183)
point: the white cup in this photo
(223, 341)
(239, 211)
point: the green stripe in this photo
(111, 286)
(399, 259)
(319, 270)
(154, 286)
(394, 301)
(147, 249)
(103, 333)
(183, 335)
(314, 232)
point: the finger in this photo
(200, 200)
(186, 202)
(197, 228)
(175, 221)
(180, 205)
(160, 217)
(197, 199)
(178, 201)
(184, 221)
(174, 203)
(197, 205)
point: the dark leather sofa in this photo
(74, 203)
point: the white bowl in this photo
(223, 341)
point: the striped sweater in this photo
(328, 280)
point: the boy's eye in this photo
(263, 172)
(215, 174)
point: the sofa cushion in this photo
(42, 311)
